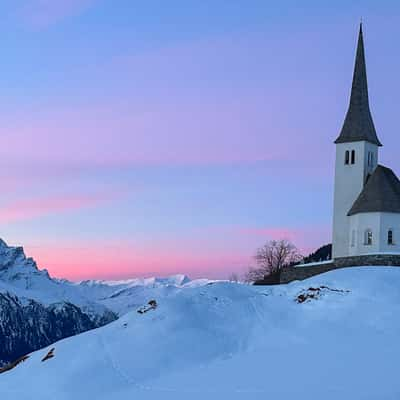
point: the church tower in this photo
(356, 155)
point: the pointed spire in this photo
(358, 124)
(359, 89)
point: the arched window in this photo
(390, 236)
(353, 156)
(347, 157)
(353, 238)
(368, 237)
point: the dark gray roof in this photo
(381, 193)
(358, 124)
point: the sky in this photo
(143, 138)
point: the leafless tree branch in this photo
(271, 258)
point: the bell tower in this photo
(356, 154)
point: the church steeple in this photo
(358, 124)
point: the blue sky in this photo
(142, 139)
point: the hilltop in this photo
(332, 336)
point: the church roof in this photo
(381, 193)
(358, 124)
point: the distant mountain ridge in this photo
(126, 295)
(21, 276)
(37, 310)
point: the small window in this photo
(353, 156)
(347, 157)
(368, 237)
(353, 238)
(372, 159)
(369, 158)
(390, 237)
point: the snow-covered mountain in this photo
(21, 276)
(334, 336)
(27, 325)
(37, 310)
(124, 296)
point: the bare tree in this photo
(234, 277)
(253, 274)
(271, 258)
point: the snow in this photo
(175, 280)
(312, 264)
(20, 276)
(227, 340)
(123, 296)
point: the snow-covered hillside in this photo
(36, 310)
(334, 336)
(124, 296)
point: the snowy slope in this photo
(20, 276)
(226, 340)
(36, 310)
(124, 296)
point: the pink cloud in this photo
(35, 208)
(124, 260)
(195, 255)
(40, 14)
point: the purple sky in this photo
(140, 139)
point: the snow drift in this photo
(227, 340)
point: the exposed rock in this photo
(151, 305)
(315, 293)
(31, 326)
(50, 354)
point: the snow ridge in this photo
(334, 335)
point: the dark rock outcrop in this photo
(26, 326)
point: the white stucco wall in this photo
(349, 181)
(379, 224)
(359, 223)
(390, 221)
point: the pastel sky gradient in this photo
(150, 137)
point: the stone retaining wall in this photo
(372, 259)
(299, 273)
(290, 274)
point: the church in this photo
(366, 206)
(366, 211)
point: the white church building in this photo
(366, 209)
(366, 216)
